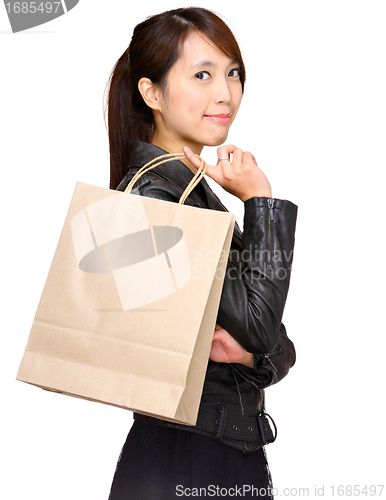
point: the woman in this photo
(178, 87)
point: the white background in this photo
(314, 115)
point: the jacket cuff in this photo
(251, 204)
(261, 375)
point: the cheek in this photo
(237, 96)
(191, 103)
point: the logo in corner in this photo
(25, 15)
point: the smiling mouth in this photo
(222, 118)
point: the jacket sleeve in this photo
(272, 367)
(257, 277)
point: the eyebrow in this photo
(205, 62)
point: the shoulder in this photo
(154, 185)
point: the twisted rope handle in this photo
(163, 159)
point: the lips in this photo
(220, 118)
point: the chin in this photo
(216, 141)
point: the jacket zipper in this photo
(238, 390)
(268, 359)
(270, 202)
(276, 352)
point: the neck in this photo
(172, 145)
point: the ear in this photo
(150, 93)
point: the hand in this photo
(240, 177)
(225, 349)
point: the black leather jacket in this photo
(254, 291)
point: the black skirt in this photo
(162, 463)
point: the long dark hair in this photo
(154, 48)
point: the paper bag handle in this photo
(163, 159)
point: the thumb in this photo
(217, 334)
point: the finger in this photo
(210, 170)
(249, 158)
(196, 162)
(238, 156)
(214, 172)
(226, 165)
(225, 151)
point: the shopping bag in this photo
(129, 307)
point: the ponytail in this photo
(129, 118)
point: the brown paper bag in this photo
(129, 307)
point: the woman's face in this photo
(201, 99)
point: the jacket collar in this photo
(175, 171)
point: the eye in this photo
(202, 75)
(236, 72)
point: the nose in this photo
(222, 91)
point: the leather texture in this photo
(243, 433)
(254, 291)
